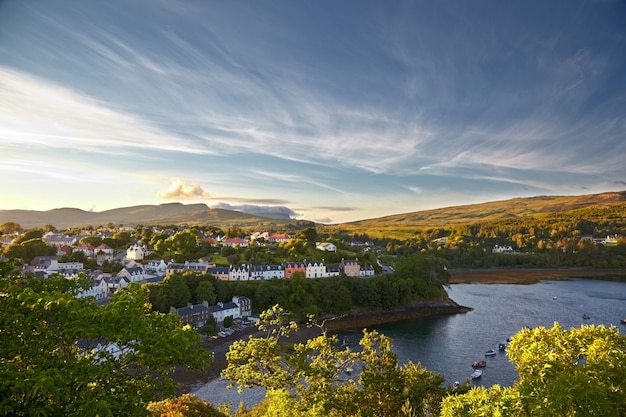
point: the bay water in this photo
(450, 344)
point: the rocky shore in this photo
(416, 310)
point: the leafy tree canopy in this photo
(576, 372)
(64, 355)
(320, 378)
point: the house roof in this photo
(193, 309)
(224, 306)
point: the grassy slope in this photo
(403, 226)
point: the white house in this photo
(98, 290)
(222, 310)
(315, 269)
(157, 267)
(266, 272)
(237, 308)
(367, 271)
(239, 273)
(114, 284)
(136, 252)
(58, 239)
(134, 273)
(326, 246)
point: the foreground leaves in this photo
(321, 378)
(576, 372)
(62, 355)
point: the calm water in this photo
(449, 344)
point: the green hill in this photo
(401, 226)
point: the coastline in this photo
(189, 380)
(529, 275)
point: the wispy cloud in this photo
(37, 113)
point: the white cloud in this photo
(179, 190)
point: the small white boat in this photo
(490, 352)
(476, 374)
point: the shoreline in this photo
(529, 275)
(189, 380)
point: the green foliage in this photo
(421, 278)
(54, 356)
(8, 228)
(187, 405)
(27, 250)
(562, 373)
(318, 378)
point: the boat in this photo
(490, 352)
(476, 374)
(585, 316)
(479, 364)
(623, 321)
(502, 347)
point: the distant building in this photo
(136, 252)
(350, 267)
(326, 246)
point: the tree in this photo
(178, 294)
(187, 405)
(317, 378)
(206, 292)
(562, 373)
(10, 228)
(63, 355)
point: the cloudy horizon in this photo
(322, 111)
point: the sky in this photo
(330, 111)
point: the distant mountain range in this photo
(171, 213)
(176, 213)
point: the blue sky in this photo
(328, 111)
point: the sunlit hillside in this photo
(598, 206)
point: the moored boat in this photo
(502, 347)
(476, 374)
(490, 352)
(479, 364)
